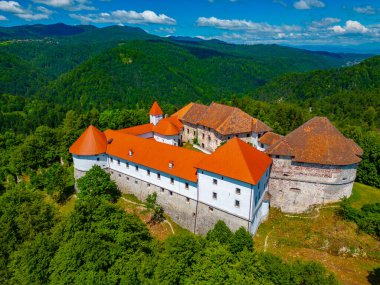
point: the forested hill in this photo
(350, 93)
(55, 50)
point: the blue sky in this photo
(289, 22)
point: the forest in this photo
(55, 81)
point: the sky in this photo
(287, 22)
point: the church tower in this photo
(155, 113)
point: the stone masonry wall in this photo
(295, 187)
(206, 219)
(189, 132)
(180, 209)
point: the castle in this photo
(242, 167)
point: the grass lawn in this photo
(189, 146)
(323, 236)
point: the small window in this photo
(171, 193)
(111, 172)
(237, 203)
(148, 184)
(210, 209)
(127, 165)
(162, 190)
(111, 160)
(148, 172)
(137, 168)
(238, 191)
(194, 133)
(203, 136)
(118, 161)
(97, 158)
(209, 138)
(171, 180)
(228, 137)
(277, 156)
(119, 175)
(344, 178)
(247, 135)
(286, 174)
(215, 182)
(136, 182)
(188, 131)
(187, 200)
(214, 195)
(186, 185)
(158, 176)
(127, 178)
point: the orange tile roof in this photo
(155, 110)
(181, 112)
(270, 138)
(170, 126)
(228, 120)
(194, 113)
(318, 141)
(155, 155)
(138, 130)
(91, 142)
(238, 160)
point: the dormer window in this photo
(171, 164)
(130, 152)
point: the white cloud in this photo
(123, 16)
(15, 8)
(369, 10)
(235, 24)
(70, 5)
(324, 22)
(167, 30)
(3, 18)
(11, 7)
(351, 27)
(308, 4)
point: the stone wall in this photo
(78, 173)
(181, 209)
(208, 139)
(296, 187)
(189, 132)
(207, 217)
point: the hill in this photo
(349, 94)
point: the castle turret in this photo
(89, 150)
(155, 113)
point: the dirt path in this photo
(312, 217)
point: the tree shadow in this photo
(374, 276)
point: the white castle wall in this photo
(155, 119)
(172, 140)
(84, 163)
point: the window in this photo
(119, 175)
(158, 176)
(215, 182)
(148, 172)
(188, 131)
(171, 180)
(118, 161)
(277, 156)
(210, 209)
(111, 172)
(127, 164)
(194, 133)
(214, 195)
(162, 190)
(136, 182)
(229, 137)
(187, 200)
(97, 158)
(247, 135)
(209, 138)
(137, 168)
(127, 178)
(203, 136)
(171, 193)
(238, 191)
(186, 185)
(237, 203)
(111, 160)
(148, 184)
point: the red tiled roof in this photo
(155, 110)
(170, 126)
(138, 130)
(91, 142)
(317, 141)
(269, 138)
(155, 155)
(238, 160)
(192, 113)
(230, 120)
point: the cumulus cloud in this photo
(123, 16)
(351, 27)
(369, 10)
(70, 5)
(40, 13)
(235, 24)
(308, 4)
(324, 22)
(3, 18)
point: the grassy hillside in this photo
(325, 237)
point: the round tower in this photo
(89, 150)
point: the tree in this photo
(220, 233)
(97, 182)
(158, 211)
(241, 240)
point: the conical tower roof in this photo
(91, 142)
(155, 110)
